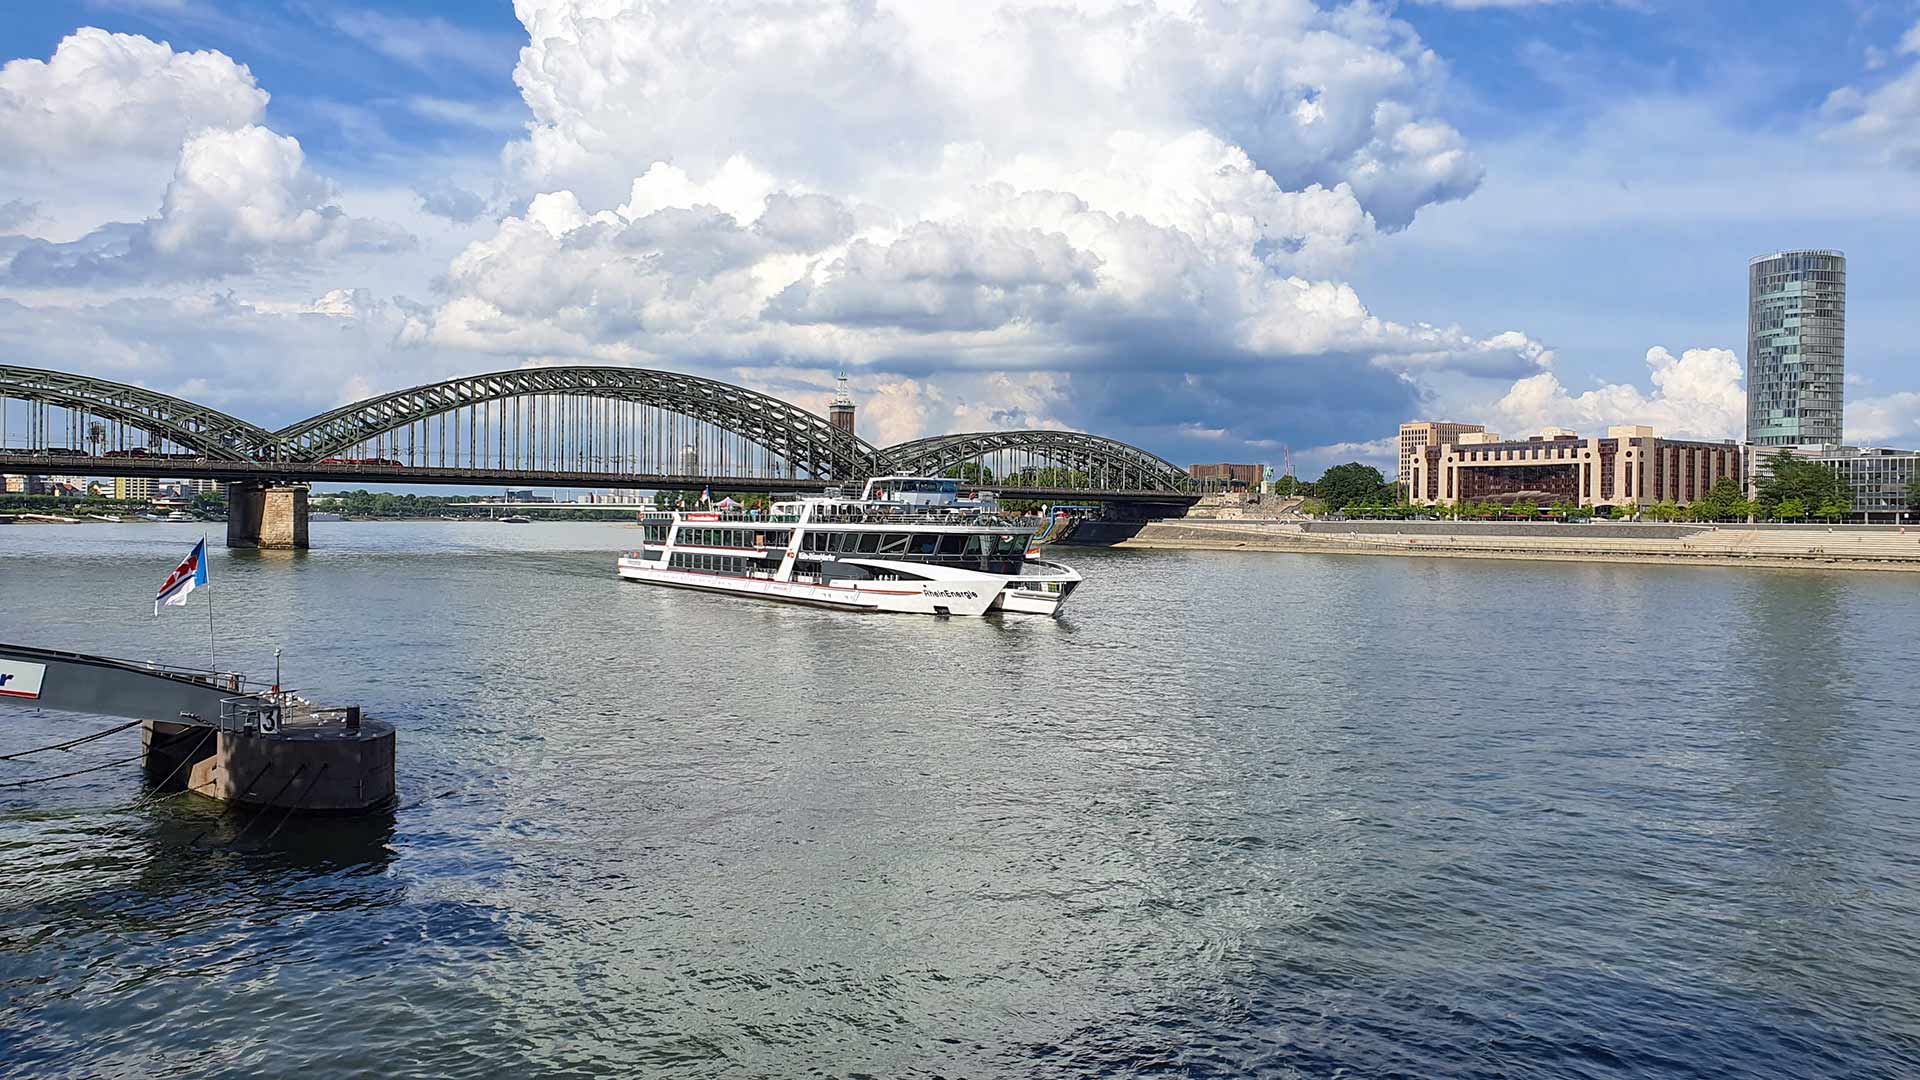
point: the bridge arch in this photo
(1072, 459)
(807, 444)
(194, 428)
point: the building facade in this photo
(1631, 466)
(23, 485)
(1796, 348)
(1881, 480)
(1421, 434)
(1232, 477)
(132, 488)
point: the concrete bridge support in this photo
(261, 515)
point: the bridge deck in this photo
(318, 472)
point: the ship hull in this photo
(902, 597)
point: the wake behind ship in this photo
(907, 544)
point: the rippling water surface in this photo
(1234, 814)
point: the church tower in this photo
(840, 412)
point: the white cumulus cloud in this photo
(239, 201)
(1892, 419)
(1697, 395)
(103, 93)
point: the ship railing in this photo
(710, 516)
(268, 713)
(985, 521)
(231, 681)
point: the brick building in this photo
(1232, 477)
(1629, 467)
(1421, 434)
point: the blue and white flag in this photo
(191, 574)
(706, 496)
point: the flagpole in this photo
(213, 665)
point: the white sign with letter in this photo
(21, 679)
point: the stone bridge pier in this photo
(266, 515)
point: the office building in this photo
(1421, 434)
(1881, 480)
(1796, 348)
(1630, 466)
(132, 488)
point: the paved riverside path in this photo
(1837, 547)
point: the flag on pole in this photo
(706, 496)
(191, 574)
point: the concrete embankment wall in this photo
(1517, 529)
(1883, 548)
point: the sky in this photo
(1223, 231)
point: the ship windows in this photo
(893, 543)
(869, 543)
(731, 565)
(953, 544)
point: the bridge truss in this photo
(79, 414)
(572, 426)
(619, 421)
(1053, 460)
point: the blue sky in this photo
(1518, 212)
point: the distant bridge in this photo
(547, 427)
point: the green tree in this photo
(1346, 485)
(1833, 510)
(1288, 486)
(1722, 502)
(970, 472)
(1809, 484)
(1790, 510)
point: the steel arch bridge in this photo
(807, 443)
(574, 426)
(80, 400)
(1042, 459)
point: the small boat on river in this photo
(907, 544)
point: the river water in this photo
(1233, 814)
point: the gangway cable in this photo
(295, 804)
(71, 743)
(262, 812)
(76, 772)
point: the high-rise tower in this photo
(1796, 348)
(840, 412)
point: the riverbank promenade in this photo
(1842, 547)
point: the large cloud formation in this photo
(117, 94)
(114, 107)
(1135, 216)
(1143, 208)
(239, 201)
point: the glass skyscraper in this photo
(1796, 348)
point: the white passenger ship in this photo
(906, 544)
